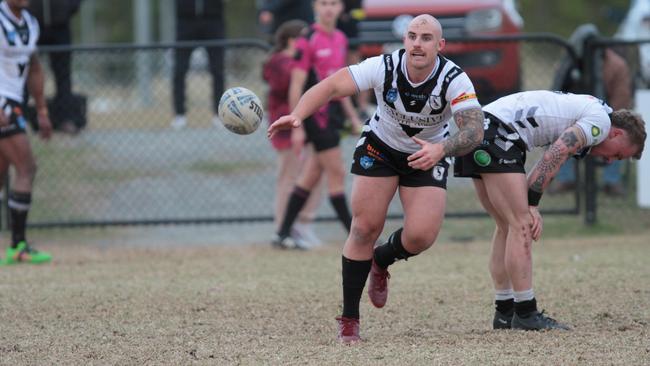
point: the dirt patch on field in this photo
(254, 305)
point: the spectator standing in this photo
(617, 83)
(54, 20)
(198, 20)
(277, 73)
(273, 13)
(320, 54)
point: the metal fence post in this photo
(592, 62)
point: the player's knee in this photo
(502, 227)
(364, 231)
(27, 170)
(420, 242)
(521, 223)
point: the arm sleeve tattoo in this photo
(569, 142)
(469, 135)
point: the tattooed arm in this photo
(469, 135)
(569, 142)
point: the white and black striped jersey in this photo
(18, 39)
(539, 117)
(406, 109)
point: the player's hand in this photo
(537, 225)
(44, 126)
(298, 138)
(428, 156)
(283, 123)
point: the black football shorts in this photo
(373, 158)
(502, 151)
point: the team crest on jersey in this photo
(391, 95)
(366, 162)
(438, 172)
(11, 36)
(435, 101)
(595, 131)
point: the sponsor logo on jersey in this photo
(374, 153)
(482, 158)
(507, 161)
(11, 36)
(595, 131)
(366, 162)
(391, 95)
(416, 96)
(324, 52)
(463, 97)
(415, 120)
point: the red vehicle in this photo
(493, 67)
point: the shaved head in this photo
(422, 42)
(426, 20)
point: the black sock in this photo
(386, 254)
(341, 208)
(355, 274)
(525, 308)
(296, 202)
(505, 306)
(19, 203)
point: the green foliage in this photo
(563, 16)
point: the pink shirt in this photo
(324, 53)
(277, 72)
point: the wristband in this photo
(534, 197)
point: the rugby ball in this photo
(240, 110)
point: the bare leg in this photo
(507, 194)
(498, 271)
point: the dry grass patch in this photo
(254, 305)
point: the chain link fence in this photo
(620, 211)
(128, 166)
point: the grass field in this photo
(252, 305)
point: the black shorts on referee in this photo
(324, 138)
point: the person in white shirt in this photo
(568, 125)
(405, 146)
(19, 64)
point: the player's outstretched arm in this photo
(339, 84)
(469, 135)
(569, 142)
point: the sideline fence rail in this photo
(129, 167)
